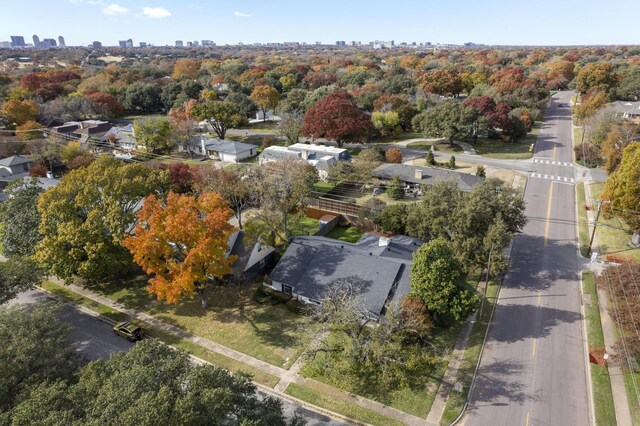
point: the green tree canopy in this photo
(20, 217)
(18, 274)
(34, 349)
(438, 280)
(151, 384)
(449, 119)
(86, 216)
(155, 134)
(222, 116)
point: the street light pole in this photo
(595, 224)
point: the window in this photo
(262, 263)
(287, 289)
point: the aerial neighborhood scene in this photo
(334, 213)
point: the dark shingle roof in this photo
(310, 264)
(430, 175)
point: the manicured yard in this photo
(170, 339)
(496, 148)
(443, 146)
(402, 137)
(237, 317)
(64, 292)
(602, 396)
(334, 403)
(321, 188)
(304, 226)
(613, 234)
(350, 234)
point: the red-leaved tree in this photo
(337, 118)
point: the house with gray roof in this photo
(381, 266)
(219, 149)
(253, 259)
(122, 138)
(319, 156)
(81, 130)
(625, 109)
(14, 165)
(414, 176)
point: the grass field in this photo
(456, 400)
(613, 234)
(338, 405)
(443, 146)
(236, 318)
(304, 226)
(602, 396)
(349, 234)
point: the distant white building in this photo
(121, 137)
(218, 149)
(319, 156)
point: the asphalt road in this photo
(533, 368)
(94, 339)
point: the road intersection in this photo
(533, 371)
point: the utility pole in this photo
(595, 224)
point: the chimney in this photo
(418, 174)
(383, 241)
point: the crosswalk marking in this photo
(551, 177)
(552, 162)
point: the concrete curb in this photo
(261, 387)
(81, 308)
(585, 340)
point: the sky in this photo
(162, 22)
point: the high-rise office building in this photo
(61, 41)
(208, 43)
(17, 41)
(126, 43)
(96, 45)
(48, 42)
(179, 43)
(143, 44)
(36, 41)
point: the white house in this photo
(319, 156)
(218, 149)
(122, 137)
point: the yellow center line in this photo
(554, 152)
(527, 422)
(533, 351)
(538, 297)
(546, 230)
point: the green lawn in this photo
(237, 317)
(170, 339)
(602, 395)
(439, 146)
(613, 234)
(304, 226)
(402, 137)
(338, 405)
(456, 400)
(64, 292)
(321, 188)
(583, 226)
(350, 234)
(496, 148)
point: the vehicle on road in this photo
(129, 331)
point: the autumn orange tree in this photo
(182, 244)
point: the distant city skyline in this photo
(162, 22)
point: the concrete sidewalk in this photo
(618, 389)
(286, 376)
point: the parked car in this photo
(129, 331)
